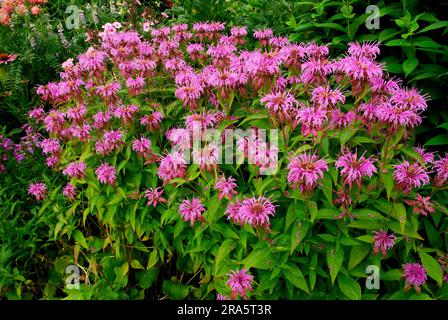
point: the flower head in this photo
(69, 191)
(75, 169)
(106, 174)
(421, 204)
(305, 170)
(191, 210)
(226, 188)
(383, 241)
(353, 168)
(154, 196)
(254, 211)
(38, 190)
(414, 275)
(240, 282)
(408, 175)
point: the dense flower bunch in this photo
(129, 111)
(19, 7)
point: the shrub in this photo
(300, 216)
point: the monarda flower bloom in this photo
(414, 275)
(279, 102)
(189, 95)
(354, 168)
(38, 190)
(408, 175)
(191, 210)
(428, 157)
(305, 170)
(50, 146)
(340, 119)
(421, 205)
(152, 121)
(409, 99)
(126, 113)
(76, 169)
(383, 242)
(173, 165)
(136, 85)
(240, 282)
(207, 157)
(200, 121)
(253, 211)
(324, 97)
(441, 168)
(101, 119)
(76, 113)
(226, 188)
(37, 114)
(397, 116)
(69, 191)
(154, 196)
(312, 120)
(106, 174)
(142, 146)
(263, 36)
(365, 50)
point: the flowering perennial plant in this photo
(116, 133)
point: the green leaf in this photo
(147, 278)
(334, 261)
(432, 266)
(425, 42)
(388, 181)
(441, 139)
(409, 65)
(135, 264)
(177, 291)
(223, 254)
(327, 187)
(295, 276)
(349, 287)
(258, 258)
(79, 237)
(357, 254)
(433, 26)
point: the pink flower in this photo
(69, 191)
(207, 157)
(263, 36)
(200, 121)
(324, 97)
(305, 170)
(428, 157)
(142, 146)
(421, 205)
(50, 146)
(226, 188)
(397, 116)
(240, 282)
(312, 120)
(75, 170)
(279, 101)
(340, 119)
(408, 175)
(191, 210)
(189, 95)
(154, 196)
(173, 165)
(414, 275)
(38, 190)
(253, 211)
(353, 169)
(441, 168)
(101, 119)
(366, 50)
(106, 174)
(152, 121)
(383, 242)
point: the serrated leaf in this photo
(334, 262)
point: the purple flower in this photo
(191, 210)
(240, 282)
(414, 275)
(305, 170)
(383, 242)
(38, 190)
(226, 188)
(354, 168)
